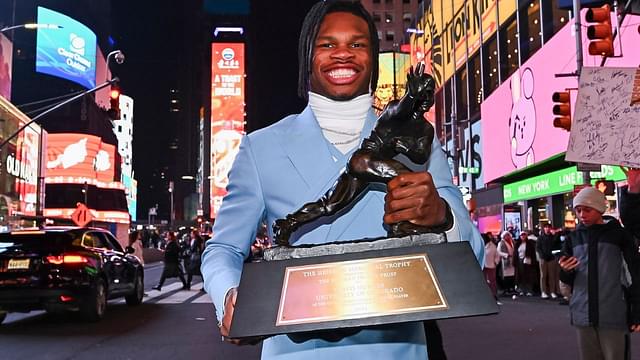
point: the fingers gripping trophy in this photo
(400, 129)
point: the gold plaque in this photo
(358, 289)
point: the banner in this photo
(227, 115)
(6, 56)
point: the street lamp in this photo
(31, 26)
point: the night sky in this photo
(152, 35)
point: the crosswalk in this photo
(174, 294)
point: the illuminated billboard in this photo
(392, 77)
(517, 118)
(68, 52)
(6, 56)
(131, 190)
(227, 115)
(80, 158)
(20, 162)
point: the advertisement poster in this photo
(79, 158)
(227, 115)
(6, 56)
(68, 52)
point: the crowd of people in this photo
(525, 263)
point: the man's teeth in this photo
(341, 73)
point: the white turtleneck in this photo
(341, 121)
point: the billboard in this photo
(227, 115)
(517, 116)
(131, 191)
(123, 129)
(79, 158)
(68, 52)
(392, 77)
(6, 56)
(451, 29)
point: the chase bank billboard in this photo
(68, 52)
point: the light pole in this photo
(171, 210)
(31, 26)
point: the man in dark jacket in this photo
(549, 269)
(630, 202)
(593, 263)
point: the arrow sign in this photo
(82, 215)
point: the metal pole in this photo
(578, 32)
(105, 84)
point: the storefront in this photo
(20, 161)
(548, 198)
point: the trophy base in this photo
(298, 290)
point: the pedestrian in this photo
(136, 244)
(506, 250)
(172, 267)
(593, 262)
(491, 260)
(630, 201)
(549, 269)
(524, 260)
(193, 262)
(287, 164)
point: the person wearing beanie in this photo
(593, 262)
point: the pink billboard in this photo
(6, 55)
(517, 118)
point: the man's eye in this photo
(357, 45)
(326, 45)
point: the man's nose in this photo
(342, 52)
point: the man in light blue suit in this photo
(299, 158)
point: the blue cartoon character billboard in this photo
(522, 121)
(68, 52)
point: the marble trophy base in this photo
(306, 290)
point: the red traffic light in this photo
(600, 32)
(114, 102)
(562, 110)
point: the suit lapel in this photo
(306, 147)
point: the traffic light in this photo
(562, 110)
(114, 100)
(600, 32)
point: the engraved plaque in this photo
(358, 289)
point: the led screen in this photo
(76, 158)
(6, 55)
(227, 115)
(517, 124)
(68, 52)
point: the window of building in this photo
(475, 86)
(376, 1)
(490, 66)
(390, 35)
(530, 29)
(461, 94)
(407, 17)
(388, 1)
(406, 1)
(376, 17)
(379, 35)
(508, 48)
(388, 18)
(553, 18)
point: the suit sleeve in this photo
(235, 228)
(463, 229)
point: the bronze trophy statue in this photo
(401, 129)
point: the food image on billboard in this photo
(79, 158)
(6, 56)
(227, 115)
(68, 52)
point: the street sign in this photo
(82, 215)
(153, 211)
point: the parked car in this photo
(66, 269)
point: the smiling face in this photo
(341, 67)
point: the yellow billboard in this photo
(450, 30)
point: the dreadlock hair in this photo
(309, 33)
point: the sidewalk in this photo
(527, 328)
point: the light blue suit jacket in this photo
(277, 170)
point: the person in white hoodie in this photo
(505, 250)
(491, 260)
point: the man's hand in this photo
(568, 263)
(633, 179)
(635, 328)
(413, 197)
(229, 306)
